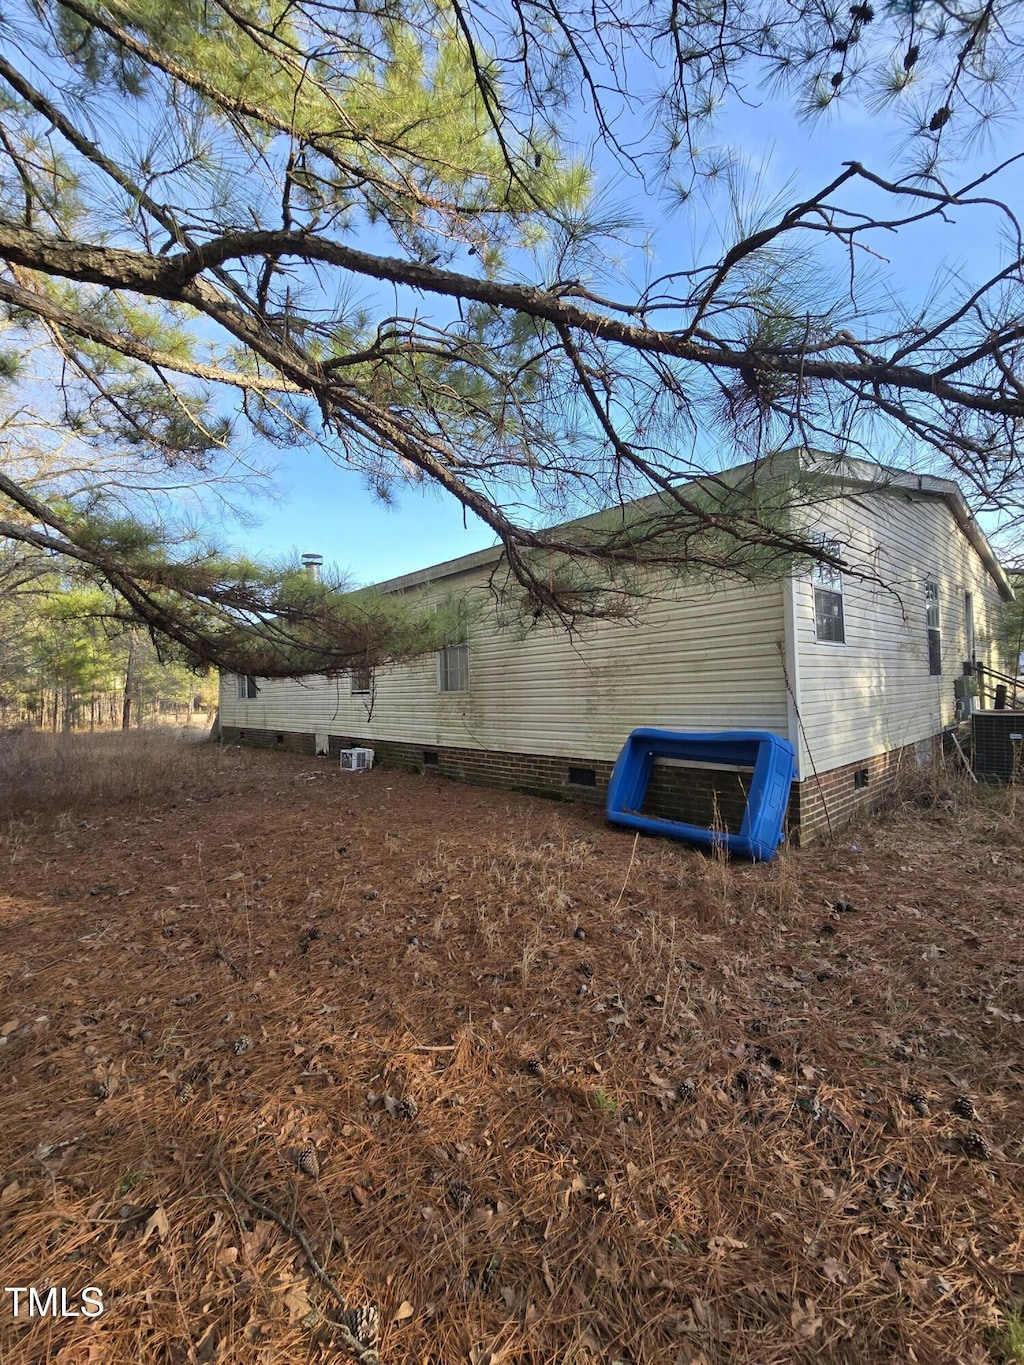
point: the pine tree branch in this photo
(121, 343)
(177, 278)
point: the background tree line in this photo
(69, 661)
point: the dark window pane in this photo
(828, 616)
(934, 653)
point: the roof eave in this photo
(846, 471)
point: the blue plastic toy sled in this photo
(773, 762)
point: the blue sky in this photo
(330, 511)
(322, 508)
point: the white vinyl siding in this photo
(878, 694)
(700, 659)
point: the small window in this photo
(245, 688)
(362, 681)
(931, 600)
(431, 758)
(453, 668)
(861, 778)
(829, 623)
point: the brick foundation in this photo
(693, 794)
(538, 774)
(289, 741)
(834, 797)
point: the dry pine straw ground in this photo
(560, 1113)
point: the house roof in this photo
(840, 474)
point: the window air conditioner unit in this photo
(356, 760)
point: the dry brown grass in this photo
(684, 1136)
(57, 774)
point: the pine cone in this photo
(460, 1197)
(918, 1102)
(963, 1107)
(363, 1323)
(192, 1079)
(242, 1045)
(811, 1104)
(308, 1161)
(975, 1144)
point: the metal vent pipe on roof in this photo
(311, 563)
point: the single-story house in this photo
(858, 670)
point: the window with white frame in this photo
(931, 602)
(829, 623)
(453, 667)
(245, 688)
